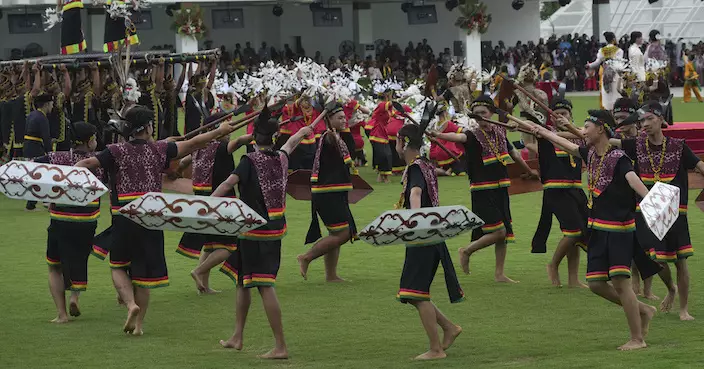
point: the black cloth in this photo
(107, 162)
(37, 128)
(416, 180)
(254, 263)
(68, 247)
(71, 33)
(195, 111)
(251, 192)
(140, 251)
(476, 170)
(617, 202)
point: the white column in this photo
(472, 48)
(364, 31)
(94, 38)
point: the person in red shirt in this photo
(444, 161)
(396, 121)
(351, 134)
(380, 139)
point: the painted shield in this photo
(190, 213)
(58, 184)
(660, 208)
(298, 187)
(420, 227)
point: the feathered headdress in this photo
(130, 91)
(50, 18)
(389, 85)
(527, 73)
(655, 66)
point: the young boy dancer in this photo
(612, 246)
(261, 176)
(664, 159)
(420, 190)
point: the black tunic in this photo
(37, 138)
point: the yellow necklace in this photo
(494, 147)
(656, 171)
(593, 179)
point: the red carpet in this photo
(692, 132)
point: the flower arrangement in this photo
(188, 21)
(474, 17)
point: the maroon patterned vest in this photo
(138, 170)
(431, 180)
(68, 213)
(272, 172)
(203, 163)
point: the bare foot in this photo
(232, 343)
(633, 345)
(138, 332)
(553, 275)
(684, 316)
(650, 296)
(450, 335)
(387, 180)
(209, 291)
(577, 284)
(303, 263)
(335, 280)
(60, 320)
(668, 301)
(130, 323)
(275, 354)
(504, 279)
(464, 260)
(645, 319)
(199, 282)
(431, 355)
(73, 309)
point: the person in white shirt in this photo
(635, 56)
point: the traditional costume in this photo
(608, 52)
(198, 105)
(58, 122)
(19, 107)
(118, 30)
(330, 183)
(563, 197)
(611, 202)
(350, 107)
(150, 98)
(262, 186)
(487, 150)
(37, 135)
(85, 108)
(211, 167)
(395, 123)
(691, 81)
(440, 156)
(421, 262)
(134, 169)
(302, 156)
(72, 39)
(667, 163)
(381, 151)
(71, 230)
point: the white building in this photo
(361, 22)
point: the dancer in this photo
(612, 246)
(561, 175)
(211, 166)
(606, 53)
(71, 230)
(72, 40)
(691, 79)
(381, 153)
(624, 110)
(261, 176)
(330, 184)
(486, 149)
(636, 58)
(446, 163)
(395, 122)
(134, 168)
(663, 159)
(420, 190)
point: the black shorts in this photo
(676, 245)
(254, 263)
(192, 244)
(398, 165)
(609, 254)
(68, 246)
(419, 270)
(140, 251)
(334, 210)
(493, 207)
(570, 208)
(381, 158)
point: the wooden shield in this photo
(58, 184)
(419, 227)
(520, 185)
(194, 214)
(299, 187)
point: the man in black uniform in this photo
(37, 136)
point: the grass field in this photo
(352, 325)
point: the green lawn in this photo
(353, 325)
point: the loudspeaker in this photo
(458, 49)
